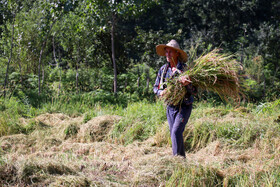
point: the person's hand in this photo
(162, 93)
(175, 71)
(185, 80)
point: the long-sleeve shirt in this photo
(190, 89)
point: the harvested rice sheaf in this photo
(211, 72)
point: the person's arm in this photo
(156, 85)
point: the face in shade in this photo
(171, 56)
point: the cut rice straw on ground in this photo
(212, 72)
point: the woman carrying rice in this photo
(178, 115)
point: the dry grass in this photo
(52, 119)
(68, 152)
(97, 129)
(212, 72)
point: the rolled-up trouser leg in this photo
(177, 120)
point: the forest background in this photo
(54, 48)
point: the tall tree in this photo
(106, 13)
(11, 54)
(13, 7)
(53, 12)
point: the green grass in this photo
(140, 121)
(261, 178)
(195, 176)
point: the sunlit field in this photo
(113, 145)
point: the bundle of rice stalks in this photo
(212, 72)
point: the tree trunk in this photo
(10, 58)
(101, 82)
(57, 66)
(39, 69)
(77, 75)
(138, 79)
(148, 80)
(59, 86)
(43, 76)
(54, 56)
(20, 68)
(242, 47)
(264, 81)
(113, 54)
(275, 74)
(78, 59)
(40, 57)
(125, 83)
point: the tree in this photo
(13, 7)
(53, 12)
(106, 14)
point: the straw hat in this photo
(172, 44)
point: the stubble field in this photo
(225, 146)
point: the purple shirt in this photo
(180, 66)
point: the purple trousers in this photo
(177, 119)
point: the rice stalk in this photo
(211, 72)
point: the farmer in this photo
(177, 116)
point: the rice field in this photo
(130, 146)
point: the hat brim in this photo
(161, 52)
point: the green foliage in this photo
(10, 112)
(268, 107)
(16, 107)
(261, 178)
(140, 121)
(88, 117)
(34, 125)
(71, 130)
(195, 176)
(77, 55)
(234, 133)
(79, 104)
(252, 89)
(9, 125)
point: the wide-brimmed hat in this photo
(172, 44)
